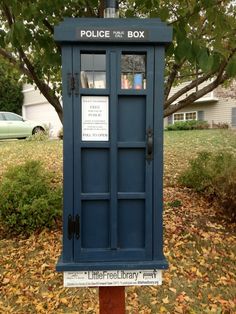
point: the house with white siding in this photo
(216, 107)
(219, 106)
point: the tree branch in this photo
(28, 68)
(8, 14)
(44, 88)
(49, 26)
(176, 67)
(194, 96)
(10, 58)
(187, 88)
(221, 77)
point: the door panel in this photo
(131, 217)
(131, 118)
(94, 225)
(95, 170)
(131, 170)
(113, 182)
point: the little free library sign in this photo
(113, 94)
(113, 278)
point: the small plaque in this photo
(95, 278)
(95, 118)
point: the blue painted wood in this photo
(77, 150)
(158, 32)
(158, 154)
(121, 265)
(112, 187)
(149, 165)
(113, 152)
(68, 158)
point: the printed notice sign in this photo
(95, 118)
(96, 278)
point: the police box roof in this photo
(113, 31)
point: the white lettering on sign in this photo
(135, 34)
(114, 34)
(95, 118)
(95, 33)
(96, 278)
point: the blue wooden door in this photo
(113, 182)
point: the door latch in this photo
(73, 227)
(149, 149)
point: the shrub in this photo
(188, 125)
(60, 134)
(214, 174)
(40, 135)
(220, 125)
(27, 200)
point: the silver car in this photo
(14, 126)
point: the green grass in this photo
(181, 146)
(199, 244)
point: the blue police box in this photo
(113, 84)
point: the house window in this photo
(190, 116)
(185, 116)
(178, 117)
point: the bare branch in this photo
(176, 67)
(187, 88)
(44, 88)
(194, 96)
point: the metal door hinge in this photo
(73, 227)
(73, 83)
(70, 83)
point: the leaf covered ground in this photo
(199, 244)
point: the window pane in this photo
(178, 117)
(190, 116)
(139, 63)
(86, 79)
(93, 67)
(99, 79)
(127, 63)
(1, 117)
(99, 62)
(93, 62)
(87, 62)
(133, 68)
(127, 80)
(12, 117)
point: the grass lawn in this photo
(199, 244)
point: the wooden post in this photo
(112, 300)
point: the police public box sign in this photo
(96, 278)
(112, 34)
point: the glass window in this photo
(2, 117)
(12, 117)
(185, 116)
(93, 70)
(133, 71)
(178, 117)
(191, 116)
